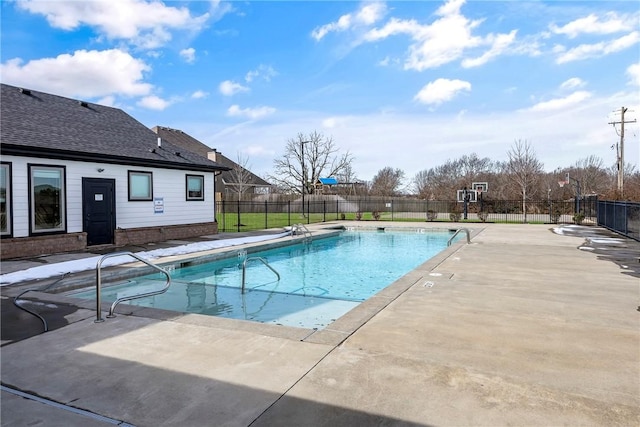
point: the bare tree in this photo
(386, 182)
(474, 168)
(592, 175)
(524, 170)
(240, 176)
(632, 183)
(321, 159)
(442, 181)
(439, 182)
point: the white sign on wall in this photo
(158, 205)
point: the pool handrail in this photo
(244, 269)
(126, 298)
(466, 230)
(301, 227)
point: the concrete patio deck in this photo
(520, 327)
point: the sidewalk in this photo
(521, 327)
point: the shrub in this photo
(358, 216)
(343, 216)
(432, 215)
(456, 212)
(376, 215)
(578, 218)
(483, 216)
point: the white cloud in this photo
(229, 88)
(368, 14)
(633, 71)
(441, 90)
(444, 40)
(585, 51)
(592, 24)
(189, 55)
(334, 122)
(199, 94)
(561, 103)
(84, 74)
(572, 83)
(107, 101)
(499, 44)
(153, 102)
(145, 24)
(266, 72)
(258, 150)
(251, 113)
(433, 44)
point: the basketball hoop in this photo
(562, 183)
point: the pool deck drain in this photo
(521, 327)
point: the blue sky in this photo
(407, 85)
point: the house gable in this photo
(182, 139)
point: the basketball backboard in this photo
(472, 194)
(480, 187)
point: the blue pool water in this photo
(319, 281)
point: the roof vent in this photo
(25, 91)
(159, 142)
(152, 150)
(83, 104)
(178, 153)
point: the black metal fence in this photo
(621, 217)
(257, 215)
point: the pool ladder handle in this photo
(244, 268)
(466, 230)
(302, 228)
(127, 298)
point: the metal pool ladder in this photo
(244, 268)
(127, 298)
(466, 230)
(301, 228)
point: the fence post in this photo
(238, 222)
(289, 213)
(324, 211)
(266, 215)
(224, 225)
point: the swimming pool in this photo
(319, 281)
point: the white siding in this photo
(168, 184)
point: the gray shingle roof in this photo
(39, 124)
(182, 139)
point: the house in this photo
(76, 174)
(236, 181)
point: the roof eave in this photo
(19, 150)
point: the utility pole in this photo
(621, 149)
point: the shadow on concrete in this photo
(144, 395)
(609, 246)
(18, 325)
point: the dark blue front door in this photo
(98, 210)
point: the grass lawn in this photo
(228, 222)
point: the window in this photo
(195, 187)
(140, 186)
(47, 209)
(5, 199)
